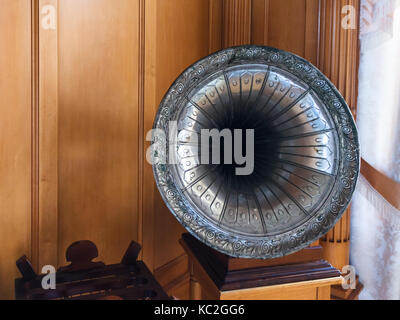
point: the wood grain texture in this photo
(179, 44)
(98, 124)
(174, 277)
(216, 18)
(237, 24)
(308, 290)
(15, 142)
(150, 104)
(387, 187)
(260, 22)
(34, 240)
(140, 126)
(287, 25)
(292, 26)
(45, 246)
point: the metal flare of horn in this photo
(306, 152)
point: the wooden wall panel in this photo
(291, 25)
(177, 33)
(236, 22)
(98, 75)
(286, 25)
(15, 138)
(45, 86)
(179, 44)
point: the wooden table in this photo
(300, 276)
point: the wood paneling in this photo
(177, 45)
(237, 22)
(279, 34)
(216, 16)
(45, 238)
(338, 49)
(98, 135)
(386, 187)
(174, 277)
(292, 26)
(177, 33)
(15, 141)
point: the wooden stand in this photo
(84, 279)
(302, 275)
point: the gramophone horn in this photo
(306, 152)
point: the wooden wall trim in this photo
(150, 105)
(338, 50)
(292, 26)
(215, 25)
(311, 31)
(44, 105)
(48, 139)
(141, 137)
(174, 273)
(237, 26)
(34, 241)
(260, 22)
(387, 187)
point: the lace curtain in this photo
(375, 226)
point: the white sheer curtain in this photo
(375, 226)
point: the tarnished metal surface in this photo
(306, 152)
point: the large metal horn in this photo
(306, 152)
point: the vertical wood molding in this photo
(260, 22)
(44, 225)
(338, 48)
(141, 137)
(338, 60)
(215, 25)
(150, 105)
(237, 22)
(311, 31)
(34, 240)
(46, 232)
(292, 26)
